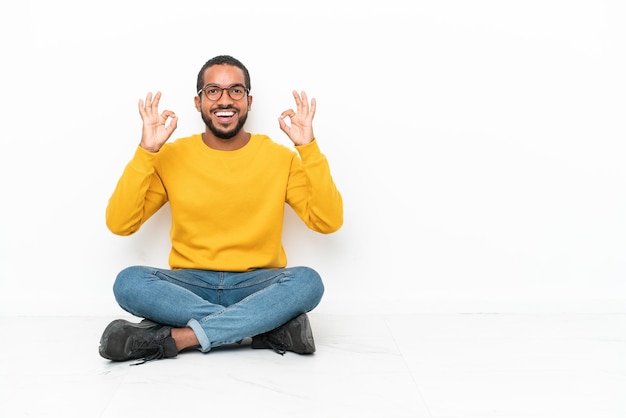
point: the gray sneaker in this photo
(123, 340)
(295, 335)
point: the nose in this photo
(225, 96)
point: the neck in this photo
(236, 142)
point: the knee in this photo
(126, 282)
(311, 282)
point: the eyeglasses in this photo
(213, 92)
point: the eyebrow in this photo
(227, 87)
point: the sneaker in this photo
(295, 335)
(123, 340)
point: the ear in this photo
(249, 102)
(198, 103)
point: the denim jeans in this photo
(220, 307)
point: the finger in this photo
(298, 100)
(142, 108)
(305, 103)
(167, 114)
(289, 113)
(172, 125)
(283, 125)
(155, 103)
(149, 99)
(313, 107)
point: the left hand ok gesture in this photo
(300, 130)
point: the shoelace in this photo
(151, 344)
(275, 344)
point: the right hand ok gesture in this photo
(156, 131)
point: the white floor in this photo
(387, 366)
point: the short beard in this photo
(221, 134)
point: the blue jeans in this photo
(220, 307)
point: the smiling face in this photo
(224, 117)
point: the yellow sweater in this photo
(227, 206)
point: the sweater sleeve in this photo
(138, 195)
(311, 191)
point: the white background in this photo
(479, 145)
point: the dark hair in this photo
(223, 60)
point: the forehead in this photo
(223, 75)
